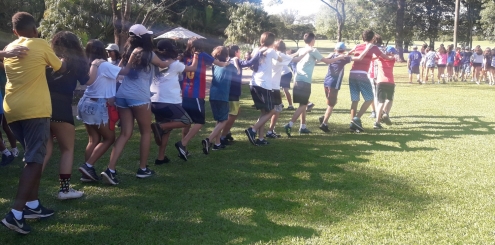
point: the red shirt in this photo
(385, 70)
(364, 64)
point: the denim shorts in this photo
(360, 84)
(127, 103)
(93, 111)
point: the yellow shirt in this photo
(26, 92)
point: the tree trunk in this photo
(399, 27)
(406, 47)
(339, 30)
(120, 20)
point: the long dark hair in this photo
(166, 50)
(95, 49)
(67, 45)
(143, 59)
(194, 45)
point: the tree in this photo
(399, 27)
(339, 10)
(488, 20)
(297, 31)
(9, 8)
(289, 16)
(247, 23)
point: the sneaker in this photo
(418, 81)
(377, 126)
(14, 152)
(71, 194)
(12, 223)
(291, 108)
(187, 154)
(218, 147)
(109, 178)
(373, 114)
(86, 180)
(144, 173)
(272, 135)
(251, 135)
(357, 124)
(225, 141)
(6, 160)
(262, 142)
(157, 133)
(310, 107)
(161, 162)
(88, 173)
(183, 153)
(39, 212)
(229, 137)
(324, 128)
(288, 129)
(386, 119)
(304, 131)
(206, 146)
(320, 119)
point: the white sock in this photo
(303, 126)
(6, 152)
(111, 171)
(17, 214)
(254, 130)
(33, 204)
(144, 169)
(261, 138)
(218, 144)
(89, 165)
(269, 132)
(291, 123)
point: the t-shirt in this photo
(26, 92)
(105, 84)
(493, 61)
(457, 59)
(138, 88)
(235, 85)
(430, 58)
(466, 57)
(363, 65)
(194, 83)
(165, 87)
(414, 58)
(305, 67)
(220, 83)
(477, 58)
(278, 67)
(385, 70)
(451, 57)
(263, 77)
(442, 58)
(66, 83)
(336, 70)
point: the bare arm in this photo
(15, 51)
(330, 61)
(93, 71)
(194, 64)
(365, 51)
(236, 64)
(221, 64)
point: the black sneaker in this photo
(251, 135)
(320, 119)
(12, 223)
(161, 162)
(291, 108)
(288, 129)
(206, 146)
(37, 213)
(218, 147)
(324, 128)
(225, 141)
(386, 119)
(88, 173)
(310, 107)
(272, 135)
(109, 177)
(157, 133)
(304, 131)
(6, 160)
(357, 124)
(183, 153)
(377, 126)
(262, 142)
(229, 137)
(144, 173)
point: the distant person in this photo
(413, 63)
(457, 64)
(441, 58)
(477, 60)
(450, 63)
(385, 87)
(487, 63)
(431, 59)
(113, 54)
(423, 61)
(493, 68)
(466, 64)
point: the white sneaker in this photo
(71, 194)
(14, 152)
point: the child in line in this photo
(466, 64)
(477, 60)
(431, 58)
(385, 87)
(492, 82)
(487, 65)
(457, 64)
(442, 57)
(423, 61)
(413, 63)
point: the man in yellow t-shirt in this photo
(27, 107)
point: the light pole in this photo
(456, 21)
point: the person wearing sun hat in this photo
(385, 87)
(113, 52)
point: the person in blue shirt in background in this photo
(466, 64)
(413, 61)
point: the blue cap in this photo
(340, 46)
(391, 49)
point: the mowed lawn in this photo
(427, 179)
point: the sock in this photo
(270, 132)
(218, 144)
(144, 169)
(261, 138)
(6, 152)
(291, 123)
(324, 124)
(17, 214)
(33, 204)
(89, 165)
(254, 130)
(303, 126)
(64, 182)
(113, 171)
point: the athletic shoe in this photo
(225, 141)
(109, 178)
(144, 173)
(88, 173)
(251, 135)
(14, 152)
(71, 194)
(386, 119)
(418, 81)
(373, 114)
(157, 133)
(86, 180)
(161, 162)
(229, 137)
(262, 142)
(19, 226)
(272, 135)
(206, 146)
(183, 153)
(324, 128)
(377, 126)
(37, 213)
(304, 131)
(291, 108)
(310, 107)
(288, 129)
(187, 154)
(6, 160)
(218, 147)
(352, 128)
(320, 119)
(357, 124)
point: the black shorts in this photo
(61, 108)
(441, 65)
(385, 91)
(195, 108)
(476, 64)
(220, 110)
(277, 97)
(165, 112)
(262, 98)
(285, 80)
(301, 92)
(33, 135)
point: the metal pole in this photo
(456, 21)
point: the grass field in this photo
(427, 179)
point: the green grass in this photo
(427, 179)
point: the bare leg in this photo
(163, 146)
(143, 117)
(191, 132)
(108, 138)
(288, 96)
(93, 141)
(126, 127)
(28, 185)
(364, 108)
(229, 124)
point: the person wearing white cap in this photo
(113, 54)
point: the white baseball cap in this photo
(112, 46)
(139, 30)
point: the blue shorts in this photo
(413, 70)
(93, 111)
(220, 110)
(333, 82)
(360, 84)
(127, 103)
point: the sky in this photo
(305, 7)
